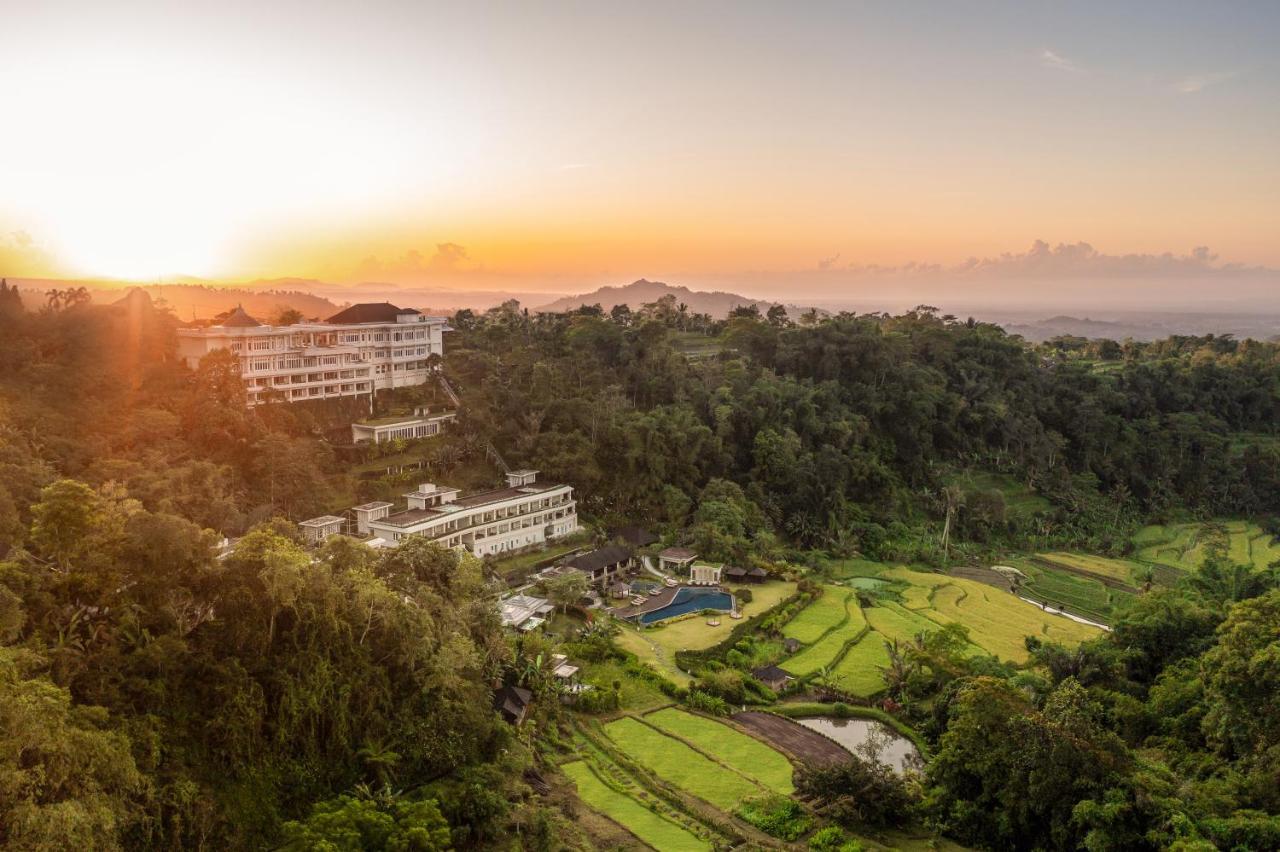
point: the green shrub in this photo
(777, 816)
(832, 839)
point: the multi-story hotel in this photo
(524, 514)
(358, 350)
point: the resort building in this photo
(524, 514)
(317, 530)
(676, 560)
(367, 512)
(525, 612)
(405, 427)
(702, 574)
(604, 564)
(734, 574)
(773, 677)
(358, 350)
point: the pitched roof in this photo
(679, 554)
(511, 701)
(370, 312)
(770, 673)
(239, 319)
(601, 558)
(757, 571)
(735, 571)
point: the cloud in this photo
(22, 256)
(448, 258)
(828, 262)
(1050, 59)
(1199, 82)
(1065, 260)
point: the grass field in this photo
(1079, 595)
(859, 670)
(1121, 570)
(680, 765)
(652, 828)
(1019, 500)
(657, 646)
(637, 694)
(817, 618)
(741, 752)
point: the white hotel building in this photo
(358, 350)
(524, 514)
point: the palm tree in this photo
(380, 760)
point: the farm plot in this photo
(1084, 596)
(1185, 546)
(1116, 570)
(826, 649)
(827, 612)
(999, 622)
(740, 752)
(897, 622)
(680, 765)
(859, 671)
(652, 828)
(796, 739)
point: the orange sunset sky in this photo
(560, 146)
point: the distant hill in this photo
(718, 304)
(190, 301)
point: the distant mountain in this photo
(718, 304)
(1144, 326)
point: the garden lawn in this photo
(658, 831)
(730, 746)
(859, 670)
(679, 765)
(827, 611)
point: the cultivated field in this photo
(799, 741)
(727, 745)
(1184, 546)
(859, 671)
(681, 766)
(654, 829)
(817, 618)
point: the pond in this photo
(860, 735)
(690, 600)
(868, 583)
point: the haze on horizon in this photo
(827, 151)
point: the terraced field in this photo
(654, 829)
(827, 612)
(998, 624)
(1184, 546)
(859, 671)
(729, 746)
(680, 765)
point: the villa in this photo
(524, 612)
(524, 514)
(676, 560)
(317, 530)
(359, 350)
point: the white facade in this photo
(524, 514)
(323, 360)
(405, 428)
(316, 530)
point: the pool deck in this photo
(661, 600)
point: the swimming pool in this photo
(690, 600)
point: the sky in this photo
(778, 148)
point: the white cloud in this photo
(1050, 59)
(1199, 82)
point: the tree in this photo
(67, 780)
(285, 315)
(567, 589)
(391, 823)
(64, 520)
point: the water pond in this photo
(861, 735)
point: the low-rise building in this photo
(405, 427)
(676, 560)
(524, 612)
(358, 350)
(773, 677)
(316, 530)
(703, 574)
(524, 514)
(603, 564)
(367, 512)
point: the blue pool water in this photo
(690, 600)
